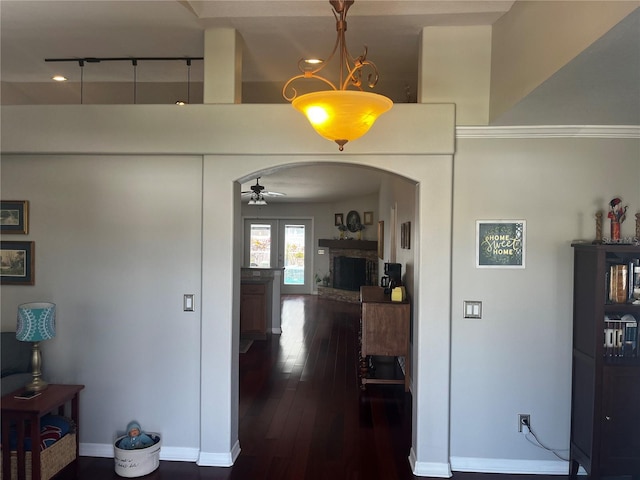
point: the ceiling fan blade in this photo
(274, 194)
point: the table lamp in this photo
(36, 322)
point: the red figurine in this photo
(617, 214)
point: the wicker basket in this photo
(52, 459)
(138, 462)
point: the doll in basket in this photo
(135, 438)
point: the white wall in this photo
(517, 358)
(194, 201)
(117, 244)
(523, 55)
(234, 142)
(455, 66)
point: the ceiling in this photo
(276, 34)
(600, 86)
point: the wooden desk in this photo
(384, 331)
(26, 414)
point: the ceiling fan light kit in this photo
(339, 114)
(257, 200)
(257, 194)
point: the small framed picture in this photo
(405, 235)
(368, 218)
(17, 263)
(500, 243)
(14, 216)
(338, 219)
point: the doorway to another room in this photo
(281, 243)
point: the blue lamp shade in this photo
(36, 321)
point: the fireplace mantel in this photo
(348, 244)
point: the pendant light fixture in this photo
(339, 114)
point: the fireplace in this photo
(349, 273)
(352, 263)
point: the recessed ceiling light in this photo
(180, 102)
(59, 78)
(313, 61)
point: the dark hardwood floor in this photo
(302, 415)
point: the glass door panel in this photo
(260, 245)
(295, 256)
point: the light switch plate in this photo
(187, 302)
(472, 309)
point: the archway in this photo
(432, 174)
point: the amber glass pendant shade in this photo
(342, 115)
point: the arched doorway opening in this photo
(388, 194)
(431, 298)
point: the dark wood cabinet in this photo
(26, 415)
(605, 404)
(253, 310)
(384, 331)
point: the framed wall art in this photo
(14, 216)
(500, 243)
(405, 235)
(17, 263)
(368, 218)
(338, 219)
(381, 239)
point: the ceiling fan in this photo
(257, 194)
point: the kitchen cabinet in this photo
(253, 310)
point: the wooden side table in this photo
(384, 331)
(26, 415)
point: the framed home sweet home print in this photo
(500, 243)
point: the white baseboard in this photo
(226, 459)
(503, 465)
(175, 454)
(96, 450)
(428, 469)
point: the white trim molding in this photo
(550, 131)
(506, 465)
(428, 469)
(104, 450)
(219, 459)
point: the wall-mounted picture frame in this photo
(338, 219)
(381, 239)
(500, 243)
(405, 235)
(17, 263)
(14, 216)
(367, 218)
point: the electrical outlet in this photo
(524, 422)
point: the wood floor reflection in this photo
(301, 413)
